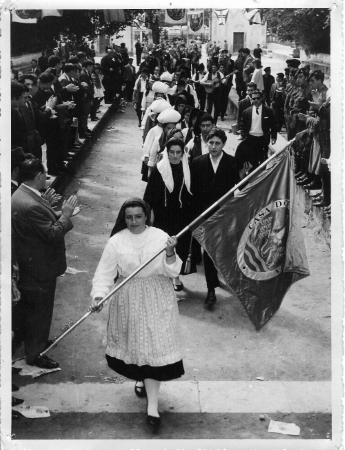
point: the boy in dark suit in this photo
(212, 176)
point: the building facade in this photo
(232, 26)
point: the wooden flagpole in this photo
(192, 225)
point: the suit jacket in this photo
(267, 122)
(18, 130)
(86, 78)
(242, 106)
(33, 136)
(207, 187)
(38, 236)
(129, 74)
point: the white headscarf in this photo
(164, 168)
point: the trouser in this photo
(55, 146)
(94, 106)
(253, 150)
(279, 117)
(37, 302)
(201, 94)
(223, 101)
(213, 100)
(138, 106)
(138, 55)
(129, 90)
(86, 112)
(211, 273)
(326, 184)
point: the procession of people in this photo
(178, 102)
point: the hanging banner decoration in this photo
(254, 15)
(222, 15)
(51, 12)
(175, 17)
(31, 15)
(196, 20)
(24, 16)
(139, 21)
(114, 15)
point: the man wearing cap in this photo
(268, 82)
(257, 127)
(129, 79)
(213, 174)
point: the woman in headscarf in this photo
(143, 341)
(169, 196)
(158, 147)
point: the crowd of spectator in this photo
(175, 98)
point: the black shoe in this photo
(211, 298)
(16, 370)
(94, 119)
(14, 387)
(17, 401)
(178, 287)
(154, 422)
(140, 391)
(44, 363)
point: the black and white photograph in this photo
(168, 244)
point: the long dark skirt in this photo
(140, 373)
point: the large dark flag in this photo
(255, 240)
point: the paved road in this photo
(220, 396)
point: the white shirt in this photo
(215, 164)
(258, 79)
(142, 85)
(213, 76)
(256, 128)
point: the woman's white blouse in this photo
(125, 252)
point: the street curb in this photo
(61, 181)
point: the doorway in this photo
(238, 41)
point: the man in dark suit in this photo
(129, 79)
(138, 51)
(19, 96)
(244, 104)
(258, 126)
(86, 80)
(39, 249)
(212, 176)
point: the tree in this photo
(74, 23)
(152, 21)
(308, 27)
